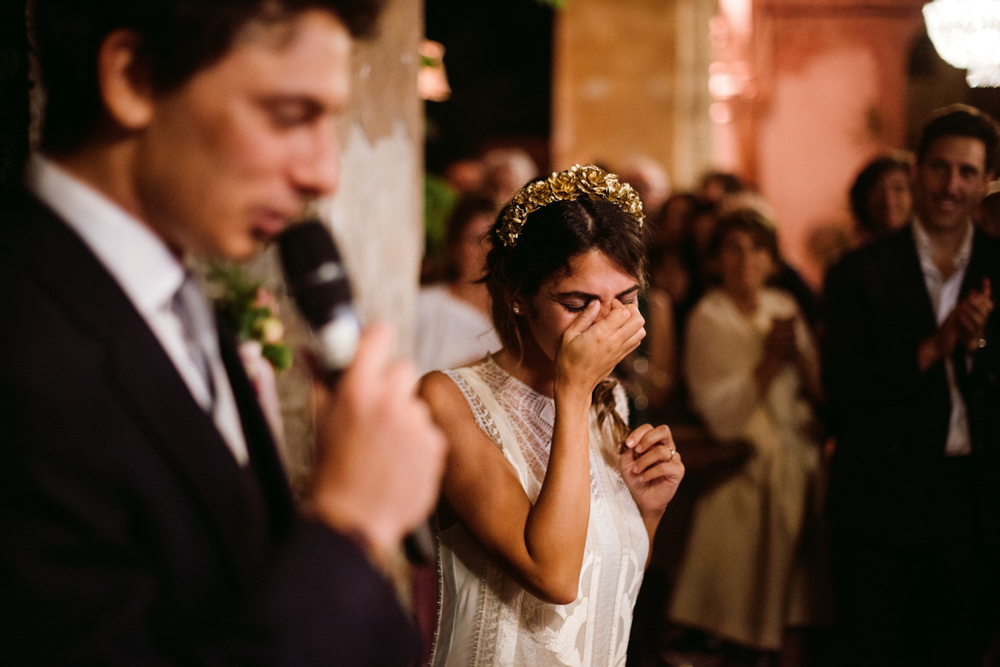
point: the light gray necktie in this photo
(191, 308)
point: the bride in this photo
(549, 504)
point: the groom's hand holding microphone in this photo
(379, 457)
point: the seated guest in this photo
(453, 324)
(753, 374)
(549, 501)
(882, 196)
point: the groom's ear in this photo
(123, 80)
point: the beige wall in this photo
(630, 79)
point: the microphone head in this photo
(314, 272)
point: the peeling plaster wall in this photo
(377, 213)
(375, 218)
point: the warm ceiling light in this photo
(966, 33)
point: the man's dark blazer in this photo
(890, 420)
(129, 535)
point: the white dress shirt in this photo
(944, 298)
(149, 274)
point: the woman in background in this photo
(453, 324)
(548, 501)
(753, 375)
(882, 197)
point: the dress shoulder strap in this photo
(491, 418)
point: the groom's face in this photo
(228, 157)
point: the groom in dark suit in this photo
(144, 514)
(912, 371)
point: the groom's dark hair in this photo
(178, 39)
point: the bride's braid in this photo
(606, 402)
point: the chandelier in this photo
(966, 33)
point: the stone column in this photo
(377, 213)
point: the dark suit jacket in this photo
(129, 535)
(890, 420)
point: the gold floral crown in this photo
(569, 185)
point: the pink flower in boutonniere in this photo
(265, 299)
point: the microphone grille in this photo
(314, 272)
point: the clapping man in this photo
(912, 372)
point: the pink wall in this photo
(829, 92)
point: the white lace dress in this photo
(484, 617)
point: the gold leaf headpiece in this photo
(577, 181)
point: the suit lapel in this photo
(149, 383)
(978, 265)
(267, 466)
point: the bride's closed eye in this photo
(575, 308)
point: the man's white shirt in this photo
(944, 298)
(149, 274)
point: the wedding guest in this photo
(715, 185)
(549, 502)
(505, 170)
(672, 227)
(785, 276)
(911, 366)
(465, 176)
(453, 324)
(882, 196)
(651, 182)
(752, 372)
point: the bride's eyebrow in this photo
(586, 296)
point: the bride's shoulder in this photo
(438, 385)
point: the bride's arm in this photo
(540, 545)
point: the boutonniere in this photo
(252, 311)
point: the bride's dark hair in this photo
(551, 237)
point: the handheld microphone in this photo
(318, 283)
(321, 289)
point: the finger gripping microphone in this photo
(321, 289)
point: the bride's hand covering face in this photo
(592, 347)
(586, 320)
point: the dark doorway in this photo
(499, 61)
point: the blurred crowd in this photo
(741, 571)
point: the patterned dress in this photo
(485, 617)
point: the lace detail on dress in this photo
(479, 411)
(524, 408)
(486, 618)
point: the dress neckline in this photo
(517, 382)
